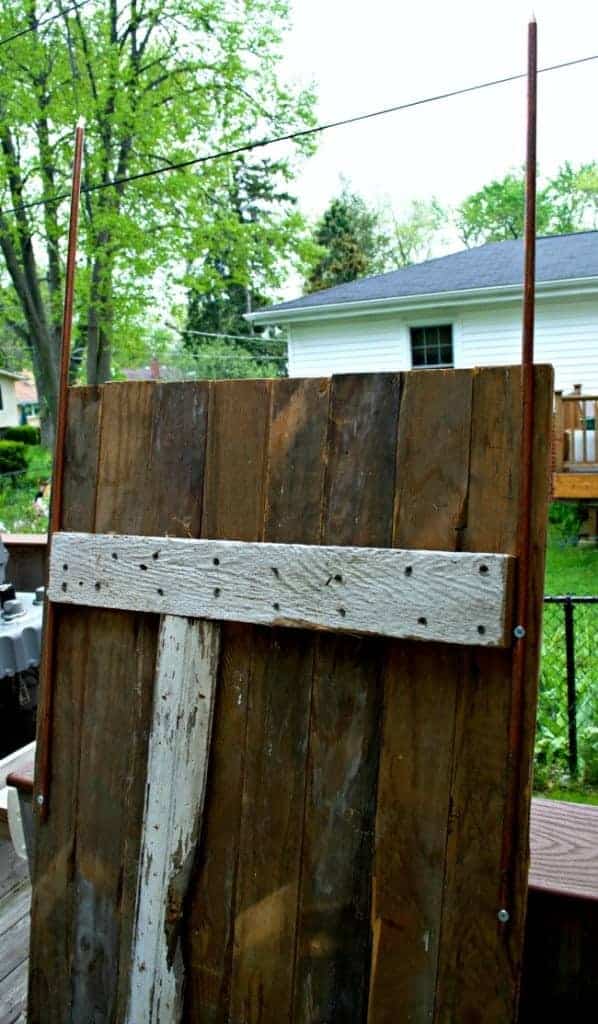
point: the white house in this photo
(9, 410)
(460, 310)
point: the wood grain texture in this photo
(453, 598)
(55, 844)
(239, 420)
(480, 960)
(179, 742)
(420, 687)
(278, 725)
(88, 891)
(575, 486)
(331, 978)
(564, 848)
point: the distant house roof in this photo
(495, 265)
(26, 390)
(9, 373)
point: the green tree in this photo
(355, 239)
(350, 238)
(411, 237)
(262, 237)
(565, 203)
(157, 83)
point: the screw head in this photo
(39, 799)
(503, 916)
(519, 632)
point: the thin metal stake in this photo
(524, 546)
(44, 731)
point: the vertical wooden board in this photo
(420, 682)
(178, 755)
(55, 839)
(118, 676)
(331, 975)
(149, 481)
(81, 459)
(239, 419)
(277, 726)
(480, 958)
(150, 474)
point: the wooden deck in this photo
(14, 948)
(575, 451)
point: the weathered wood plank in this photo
(233, 502)
(420, 684)
(480, 960)
(278, 725)
(53, 890)
(176, 776)
(331, 976)
(13, 996)
(140, 448)
(453, 598)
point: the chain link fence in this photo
(567, 733)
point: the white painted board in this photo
(179, 741)
(458, 598)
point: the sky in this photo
(366, 54)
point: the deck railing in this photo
(575, 435)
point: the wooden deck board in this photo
(564, 848)
(14, 948)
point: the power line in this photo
(45, 21)
(233, 337)
(291, 136)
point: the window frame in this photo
(431, 326)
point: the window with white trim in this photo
(432, 346)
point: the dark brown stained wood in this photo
(480, 959)
(151, 466)
(278, 723)
(332, 970)
(148, 480)
(233, 510)
(119, 652)
(420, 684)
(52, 907)
(560, 963)
(81, 459)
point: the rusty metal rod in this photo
(524, 545)
(44, 730)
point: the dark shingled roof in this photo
(558, 258)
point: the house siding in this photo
(9, 413)
(566, 336)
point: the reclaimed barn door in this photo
(346, 864)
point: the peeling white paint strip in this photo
(459, 598)
(178, 753)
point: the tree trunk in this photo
(100, 321)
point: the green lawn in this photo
(570, 569)
(17, 494)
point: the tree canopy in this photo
(356, 239)
(158, 82)
(566, 202)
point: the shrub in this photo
(567, 518)
(26, 433)
(12, 457)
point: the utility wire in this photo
(248, 147)
(233, 337)
(44, 21)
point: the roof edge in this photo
(399, 303)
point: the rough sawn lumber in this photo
(427, 595)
